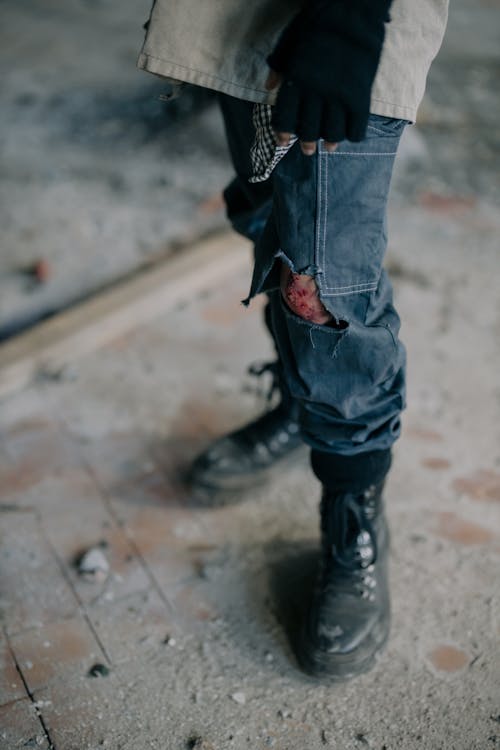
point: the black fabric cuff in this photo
(350, 473)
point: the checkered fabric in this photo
(265, 152)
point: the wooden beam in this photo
(150, 293)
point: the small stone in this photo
(269, 657)
(239, 697)
(199, 743)
(360, 737)
(41, 270)
(41, 704)
(284, 713)
(98, 670)
(93, 565)
(55, 373)
(224, 383)
(169, 641)
(28, 664)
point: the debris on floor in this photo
(198, 743)
(98, 670)
(93, 565)
(239, 697)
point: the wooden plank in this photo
(118, 310)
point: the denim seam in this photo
(362, 153)
(384, 133)
(353, 286)
(320, 210)
(377, 130)
(325, 217)
(333, 293)
(321, 230)
(317, 257)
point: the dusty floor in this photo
(193, 619)
(98, 175)
(199, 601)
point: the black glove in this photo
(328, 56)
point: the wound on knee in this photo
(300, 293)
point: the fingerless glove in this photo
(328, 56)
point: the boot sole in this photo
(343, 667)
(222, 489)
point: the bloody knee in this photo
(300, 293)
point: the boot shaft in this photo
(353, 527)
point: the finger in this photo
(330, 147)
(283, 139)
(356, 125)
(308, 148)
(285, 111)
(310, 109)
(274, 80)
(333, 126)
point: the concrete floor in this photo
(193, 619)
(98, 175)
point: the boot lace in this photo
(352, 544)
(259, 369)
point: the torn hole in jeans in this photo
(301, 295)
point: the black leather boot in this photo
(247, 456)
(349, 617)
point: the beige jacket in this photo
(223, 45)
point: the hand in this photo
(274, 81)
(325, 63)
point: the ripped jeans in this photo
(325, 216)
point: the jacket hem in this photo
(389, 109)
(167, 69)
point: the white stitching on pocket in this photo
(363, 153)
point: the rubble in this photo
(199, 743)
(239, 697)
(98, 670)
(93, 566)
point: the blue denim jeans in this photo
(325, 216)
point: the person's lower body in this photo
(320, 231)
(251, 454)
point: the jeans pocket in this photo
(352, 188)
(385, 126)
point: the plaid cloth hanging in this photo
(265, 152)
